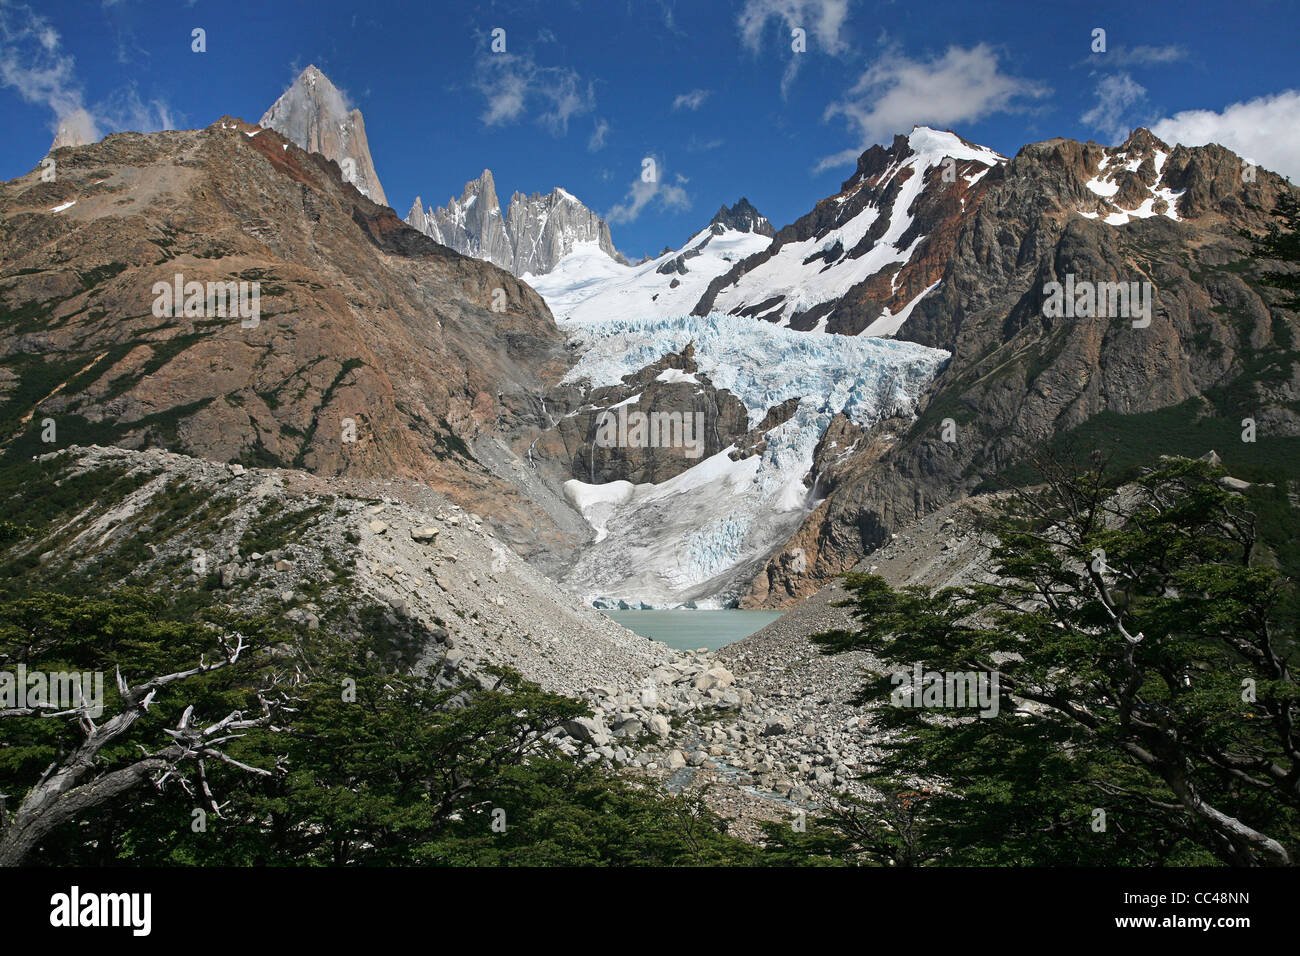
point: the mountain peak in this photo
(316, 116)
(485, 186)
(743, 217)
(1142, 140)
(534, 234)
(924, 146)
(927, 140)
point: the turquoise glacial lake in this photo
(686, 629)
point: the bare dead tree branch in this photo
(70, 785)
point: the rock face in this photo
(1217, 349)
(672, 386)
(472, 225)
(535, 233)
(313, 114)
(374, 350)
(545, 228)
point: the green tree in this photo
(178, 696)
(1281, 244)
(360, 761)
(1145, 668)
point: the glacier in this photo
(700, 537)
(770, 278)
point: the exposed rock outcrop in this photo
(533, 235)
(372, 349)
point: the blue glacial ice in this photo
(701, 535)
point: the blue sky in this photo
(711, 89)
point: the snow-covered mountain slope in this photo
(533, 235)
(586, 287)
(583, 273)
(863, 259)
(859, 262)
(313, 114)
(701, 536)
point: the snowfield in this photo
(701, 536)
(588, 286)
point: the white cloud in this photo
(641, 193)
(697, 145)
(33, 63)
(1265, 130)
(514, 85)
(822, 19)
(505, 95)
(126, 110)
(598, 136)
(897, 93)
(788, 76)
(1117, 95)
(692, 100)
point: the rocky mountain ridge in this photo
(371, 351)
(533, 235)
(862, 259)
(1217, 349)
